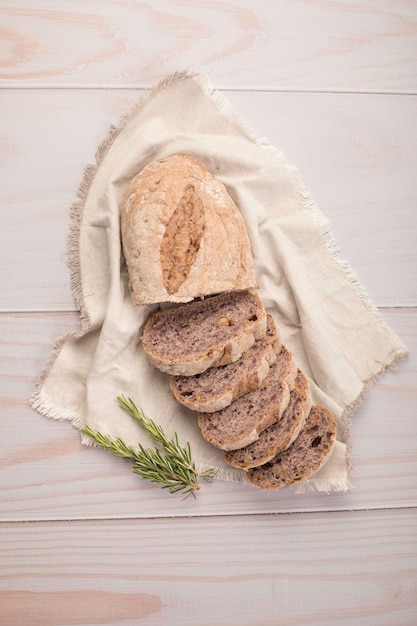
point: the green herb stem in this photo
(170, 465)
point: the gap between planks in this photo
(219, 87)
(132, 518)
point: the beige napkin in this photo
(337, 336)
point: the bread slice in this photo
(304, 457)
(280, 435)
(240, 423)
(217, 387)
(188, 339)
(183, 236)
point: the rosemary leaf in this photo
(170, 465)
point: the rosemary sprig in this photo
(170, 465)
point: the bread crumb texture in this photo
(281, 434)
(304, 457)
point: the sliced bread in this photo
(188, 339)
(304, 457)
(240, 423)
(280, 435)
(217, 387)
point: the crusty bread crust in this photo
(183, 236)
(175, 342)
(306, 455)
(280, 435)
(218, 387)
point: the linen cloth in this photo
(324, 315)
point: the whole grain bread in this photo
(305, 456)
(240, 423)
(281, 434)
(183, 236)
(217, 387)
(188, 339)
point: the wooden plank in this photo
(357, 155)
(334, 568)
(321, 45)
(45, 473)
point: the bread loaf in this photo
(281, 434)
(305, 456)
(240, 423)
(217, 387)
(188, 339)
(183, 236)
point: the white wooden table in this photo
(333, 84)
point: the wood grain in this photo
(357, 155)
(347, 569)
(319, 45)
(45, 473)
(76, 607)
(94, 543)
